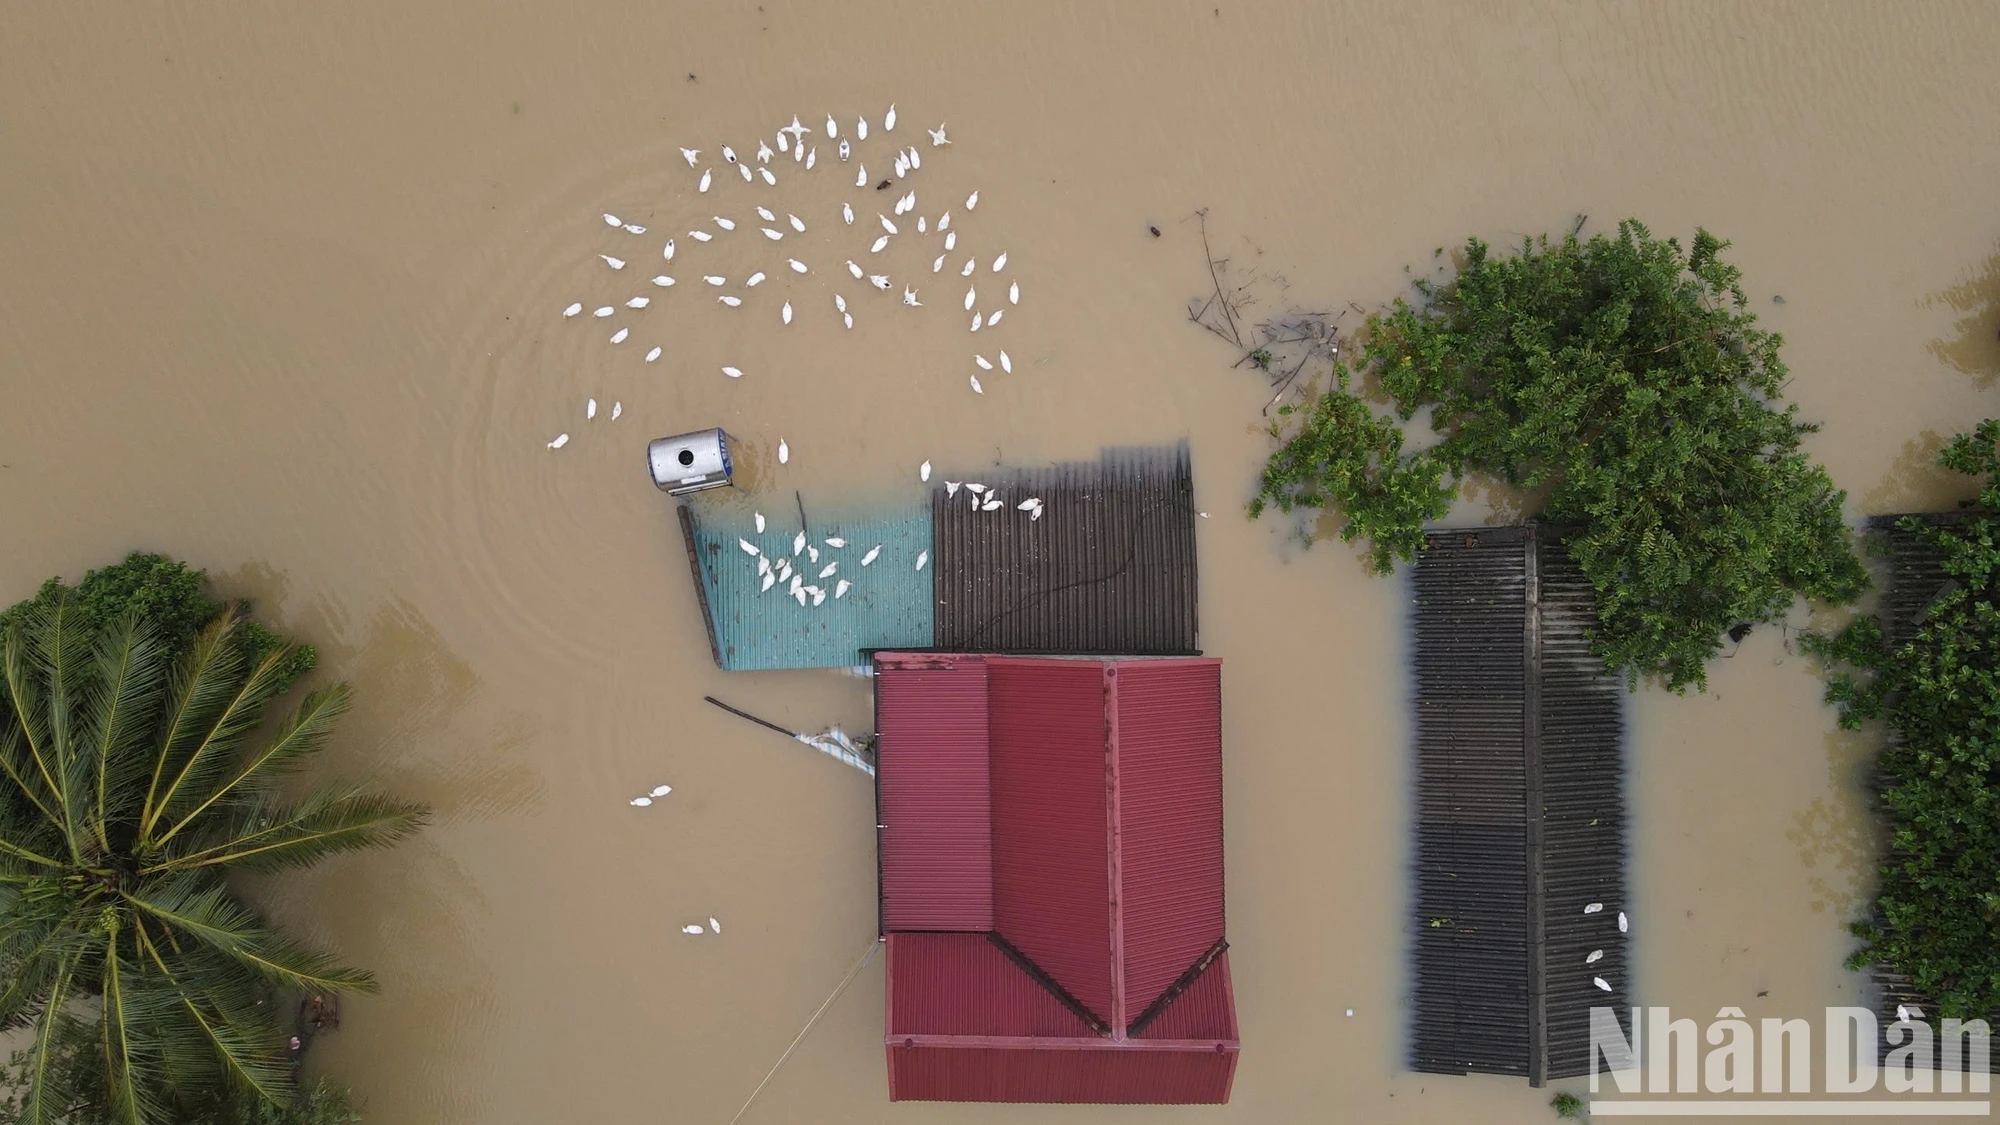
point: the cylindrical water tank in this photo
(690, 462)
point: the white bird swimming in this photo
(828, 570)
(611, 220)
(667, 252)
(706, 175)
(910, 201)
(768, 177)
(870, 556)
(938, 264)
(916, 161)
(886, 224)
(1000, 263)
(799, 593)
(977, 320)
(662, 280)
(574, 308)
(641, 802)
(618, 337)
(773, 234)
(982, 362)
(759, 516)
(614, 263)
(561, 440)
(889, 119)
(797, 266)
(844, 150)
(1029, 505)
(700, 235)
(788, 312)
(784, 457)
(944, 222)
(690, 929)
(840, 588)
(764, 213)
(770, 580)
(617, 408)
(976, 388)
(798, 224)
(589, 408)
(638, 302)
(938, 137)
(732, 302)
(920, 224)
(835, 541)
(832, 128)
(714, 280)
(847, 214)
(922, 558)
(690, 155)
(972, 201)
(879, 281)
(729, 154)
(662, 790)
(603, 310)
(951, 240)
(861, 129)
(971, 294)
(993, 318)
(902, 166)
(652, 355)
(764, 150)
(840, 302)
(1006, 364)
(634, 228)
(732, 372)
(745, 170)
(749, 548)
(754, 279)
(1014, 293)
(819, 595)
(924, 471)
(879, 244)
(799, 540)
(910, 298)
(848, 319)
(861, 175)
(812, 157)
(725, 224)
(854, 269)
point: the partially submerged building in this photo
(1050, 842)
(1518, 912)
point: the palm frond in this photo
(30, 725)
(202, 909)
(211, 755)
(302, 734)
(130, 676)
(126, 1071)
(233, 1039)
(60, 645)
(41, 1101)
(327, 822)
(199, 689)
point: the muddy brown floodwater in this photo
(283, 295)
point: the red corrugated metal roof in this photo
(1051, 875)
(1100, 808)
(962, 984)
(1169, 819)
(936, 840)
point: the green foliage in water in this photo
(1623, 376)
(1567, 1104)
(1936, 918)
(133, 784)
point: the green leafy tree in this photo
(1623, 376)
(132, 785)
(1936, 918)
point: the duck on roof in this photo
(1051, 879)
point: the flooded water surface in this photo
(284, 297)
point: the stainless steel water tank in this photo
(687, 463)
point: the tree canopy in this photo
(1624, 378)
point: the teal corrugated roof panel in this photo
(888, 605)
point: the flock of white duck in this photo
(1598, 954)
(799, 142)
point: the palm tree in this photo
(132, 787)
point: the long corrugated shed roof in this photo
(1109, 568)
(752, 628)
(1104, 817)
(1916, 577)
(1520, 817)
